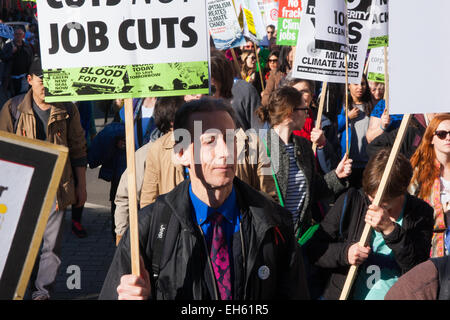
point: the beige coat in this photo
(64, 128)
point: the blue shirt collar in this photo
(202, 211)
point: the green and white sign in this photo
(376, 68)
(379, 32)
(289, 14)
(120, 49)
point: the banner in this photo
(326, 65)
(12, 197)
(331, 26)
(6, 31)
(376, 65)
(379, 32)
(426, 62)
(289, 14)
(151, 80)
(269, 12)
(223, 25)
(140, 49)
(254, 27)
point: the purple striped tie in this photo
(220, 258)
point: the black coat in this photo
(185, 271)
(411, 141)
(328, 248)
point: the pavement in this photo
(85, 262)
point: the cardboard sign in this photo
(379, 32)
(331, 26)
(253, 24)
(326, 65)
(223, 25)
(289, 15)
(269, 12)
(30, 172)
(87, 58)
(376, 65)
(426, 62)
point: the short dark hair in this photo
(399, 178)
(205, 104)
(164, 113)
(222, 70)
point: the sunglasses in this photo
(441, 134)
(273, 60)
(270, 32)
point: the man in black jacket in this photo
(212, 214)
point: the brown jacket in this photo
(419, 283)
(162, 175)
(64, 128)
(272, 83)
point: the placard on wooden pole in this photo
(377, 200)
(132, 189)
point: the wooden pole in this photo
(320, 111)
(377, 200)
(259, 67)
(132, 193)
(386, 80)
(346, 105)
(236, 62)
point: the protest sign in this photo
(376, 65)
(223, 25)
(254, 27)
(379, 29)
(269, 12)
(30, 171)
(137, 50)
(331, 26)
(427, 62)
(6, 31)
(289, 14)
(326, 65)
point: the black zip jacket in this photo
(328, 248)
(265, 243)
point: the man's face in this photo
(37, 86)
(270, 33)
(18, 36)
(211, 157)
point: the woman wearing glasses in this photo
(294, 168)
(431, 179)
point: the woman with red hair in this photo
(431, 179)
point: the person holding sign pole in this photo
(360, 107)
(298, 183)
(212, 237)
(431, 179)
(400, 238)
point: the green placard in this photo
(377, 77)
(287, 31)
(378, 42)
(119, 82)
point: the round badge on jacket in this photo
(263, 272)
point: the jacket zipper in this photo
(210, 264)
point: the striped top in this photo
(296, 191)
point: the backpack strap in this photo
(344, 209)
(158, 246)
(442, 264)
(14, 110)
